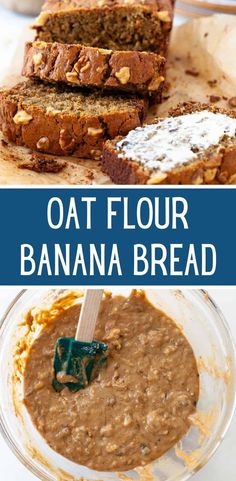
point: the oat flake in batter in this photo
(137, 408)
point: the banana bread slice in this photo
(196, 145)
(77, 65)
(59, 121)
(142, 25)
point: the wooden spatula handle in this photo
(88, 315)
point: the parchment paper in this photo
(202, 63)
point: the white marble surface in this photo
(223, 464)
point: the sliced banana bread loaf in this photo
(59, 121)
(82, 66)
(197, 145)
(142, 25)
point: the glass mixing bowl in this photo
(204, 326)
(187, 9)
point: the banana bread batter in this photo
(139, 405)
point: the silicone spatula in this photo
(77, 360)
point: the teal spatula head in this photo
(77, 363)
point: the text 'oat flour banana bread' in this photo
(82, 66)
(196, 145)
(59, 121)
(142, 25)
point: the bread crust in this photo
(57, 6)
(79, 65)
(218, 167)
(189, 107)
(64, 133)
